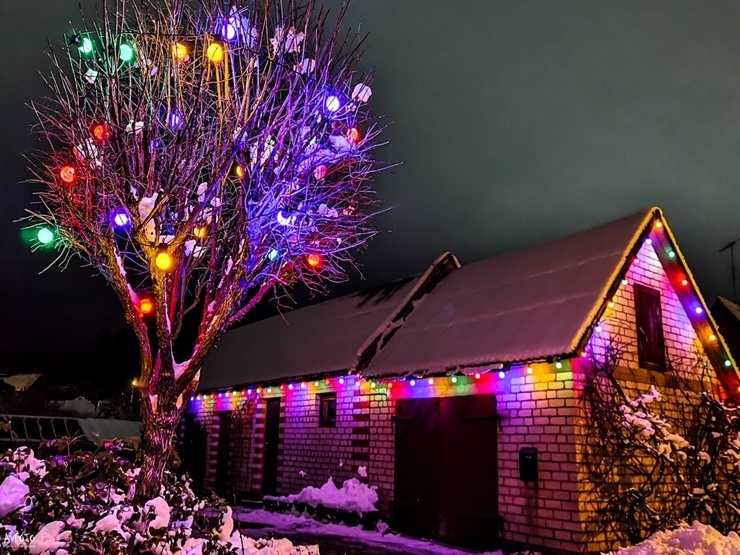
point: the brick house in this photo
(458, 389)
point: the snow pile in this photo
(354, 496)
(697, 539)
(46, 510)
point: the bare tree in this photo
(199, 155)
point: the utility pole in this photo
(731, 246)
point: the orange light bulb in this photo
(200, 232)
(146, 306)
(100, 132)
(313, 260)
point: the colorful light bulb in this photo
(100, 132)
(174, 119)
(45, 235)
(354, 135)
(164, 261)
(146, 306)
(728, 363)
(712, 337)
(179, 51)
(558, 365)
(502, 374)
(68, 174)
(333, 104)
(86, 46)
(314, 260)
(215, 53)
(530, 369)
(671, 253)
(698, 310)
(431, 381)
(126, 52)
(121, 218)
(477, 375)
(272, 254)
(412, 383)
(453, 379)
(200, 232)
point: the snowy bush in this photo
(83, 502)
(353, 496)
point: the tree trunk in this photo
(159, 437)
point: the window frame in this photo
(325, 401)
(641, 292)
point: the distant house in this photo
(458, 388)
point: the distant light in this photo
(227, 28)
(192, 398)
(636, 260)
(68, 174)
(164, 261)
(228, 393)
(372, 385)
(249, 391)
(199, 397)
(326, 381)
(45, 235)
(698, 310)
(240, 172)
(502, 374)
(269, 390)
(220, 394)
(453, 379)
(583, 354)
(215, 53)
(126, 52)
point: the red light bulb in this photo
(100, 132)
(146, 306)
(313, 260)
(68, 174)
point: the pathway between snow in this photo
(336, 539)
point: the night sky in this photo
(515, 122)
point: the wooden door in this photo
(446, 479)
(416, 489)
(272, 441)
(223, 454)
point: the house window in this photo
(649, 328)
(327, 410)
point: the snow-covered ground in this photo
(354, 496)
(265, 523)
(697, 539)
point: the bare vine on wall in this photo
(657, 458)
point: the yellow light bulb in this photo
(179, 51)
(200, 232)
(164, 261)
(215, 53)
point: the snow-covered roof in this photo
(526, 305)
(326, 337)
(20, 382)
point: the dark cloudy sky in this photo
(516, 122)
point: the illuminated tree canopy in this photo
(200, 155)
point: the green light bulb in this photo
(86, 46)
(45, 236)
(126, 52)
